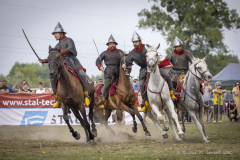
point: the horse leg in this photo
(201, 116)
(91, 106)
(183, 124)
(199, 127)
(105, 121)
(171, 123)
(175, 118)
(132, 112)
(75, 134)
(159, 116)
(87, 126)
(156, 122)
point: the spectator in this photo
(47, 90)
(207, 91)
(232, 112)
(236, 95)
(119, 116)
(25, 89)
(3, 88)
(135, 85)
(9, 88)
(218, 99)
(40, 90)
(100, 81)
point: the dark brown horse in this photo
(124, 99)
(71, 95)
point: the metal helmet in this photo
(136, 37)
(111, 40)
(177, 42)
(58, 29)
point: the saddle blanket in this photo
(112, 88)
(72, 71)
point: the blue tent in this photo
(228, 76)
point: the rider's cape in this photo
(112, 61)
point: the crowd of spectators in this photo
(24, 89)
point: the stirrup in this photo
(57, 103)
(103, 104)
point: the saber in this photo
(31, 46)
(97, 51)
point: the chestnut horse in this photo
(70, 91)
(123, 99)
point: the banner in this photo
(24, 109)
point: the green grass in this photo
(56, 142)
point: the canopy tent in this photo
(228, 76)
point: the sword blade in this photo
(97, 51)
(30, 44)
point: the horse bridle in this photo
(201, 73)
(155, 62)
(55, 73)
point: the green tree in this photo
(33, 73)
(97, 77)
(198, 23)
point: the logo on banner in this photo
(34, 118)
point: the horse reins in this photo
(58, 76)
(158, 92)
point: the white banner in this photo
(45, 116)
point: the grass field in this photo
(56, 142)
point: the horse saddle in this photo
(112, 89)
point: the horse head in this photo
(152, 58)
(54, 62)
(201, 69)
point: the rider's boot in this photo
(56, 104)
(103, 104)
(172, 95)
(146, 107)
(86, 98)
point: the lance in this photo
(31, 46)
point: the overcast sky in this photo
(83, 20)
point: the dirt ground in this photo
(56, 142)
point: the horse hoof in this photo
(147, 134)
(166, 129)
(182, 136)
(94, 143)
(88, 143)
(95, 133)
(179, 140)
(134, 130)
(207, 141)
(77, 137)
(165, 136)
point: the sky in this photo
(83, 20)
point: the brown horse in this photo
(71, 95)
(124, 99)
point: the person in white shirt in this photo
(40, 90)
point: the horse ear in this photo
(50, 48)
(158, 46)
(204, 58)
(193, 58)
(146, 47)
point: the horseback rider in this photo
(111, 59)
(180, 60)
(138, 55)
(69, 54)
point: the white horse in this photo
(191, 100)
(159, 96)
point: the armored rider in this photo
(111, 58)
(69, 54)
(138, 55)
(180, 60)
